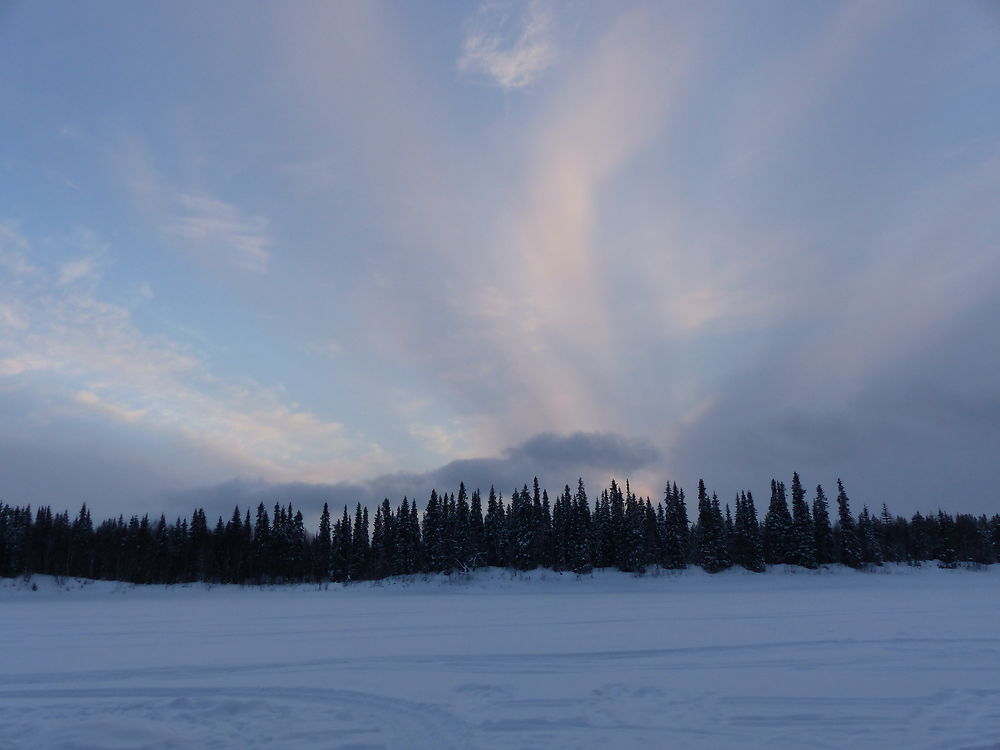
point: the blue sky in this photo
(342, 250)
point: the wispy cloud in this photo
(21, 363)
(13, 247)
(221, 227)
(549, 259)
(435, 437)
(92, 401)
(100, 360)
(512, 46)
(194, 221)
(76, 270)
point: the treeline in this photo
(456, 533)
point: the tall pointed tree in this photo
(777, 527)
(849, 548)
(823, 531)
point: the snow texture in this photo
(899, 657)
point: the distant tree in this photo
(777, 534)
(323, 542)
(822, 528)
(477, 549)
(494, 531)
(803, 538)
(849, 546)
(521, 526)
(580, 552)
(746, 544)
(945, 552)
(712, 553)
(675, 529)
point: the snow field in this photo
(902, 657)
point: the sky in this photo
(313, 252)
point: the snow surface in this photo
(898, 658)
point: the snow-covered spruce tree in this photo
(561, 531)
(746, 543)
(492, 525)
(321, 546)
(849, 548)
(618, 533)
(651, 535)
(433, 531)
(871, 550)
(358, 562)
(521, 529)
(945, 552)
(711, 528)
(634, 539)
(399, 553)
(300, 548)
(411, 543)
(390, 529)
(461, 529)
(581, 559)
(919, 546)
(601, 532)
(478, 552)
(262, 544)
(777, 532)
(803, 550)
(379, 558)
(543, 531)
(822, 528)
(675, 529)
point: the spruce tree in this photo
(521, 525)
(849, 546)
(581, 557)
(601, 532)
(675, 529)
(871, 550)
(341, 548)
(433, 534)
(618, 534)
(262, 545)
(477, 550)
(562, 530)
(822, 529)
(746, 543)
(492, 526)
(777, 533)
(634, 538)
(462, 530)
(803, 550)
(323, 542)
(711, 533)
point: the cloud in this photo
(512, 47)
(434, 436)
(95, 357)
(222, 228)
(555, 459)
(599, 450)
(196, 221)
(117, 411)
(13, 248)
(544, 301)
(76, 270)
(23, 363)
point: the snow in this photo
(901, 657)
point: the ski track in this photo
(834, 661)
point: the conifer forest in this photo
(459, 532)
